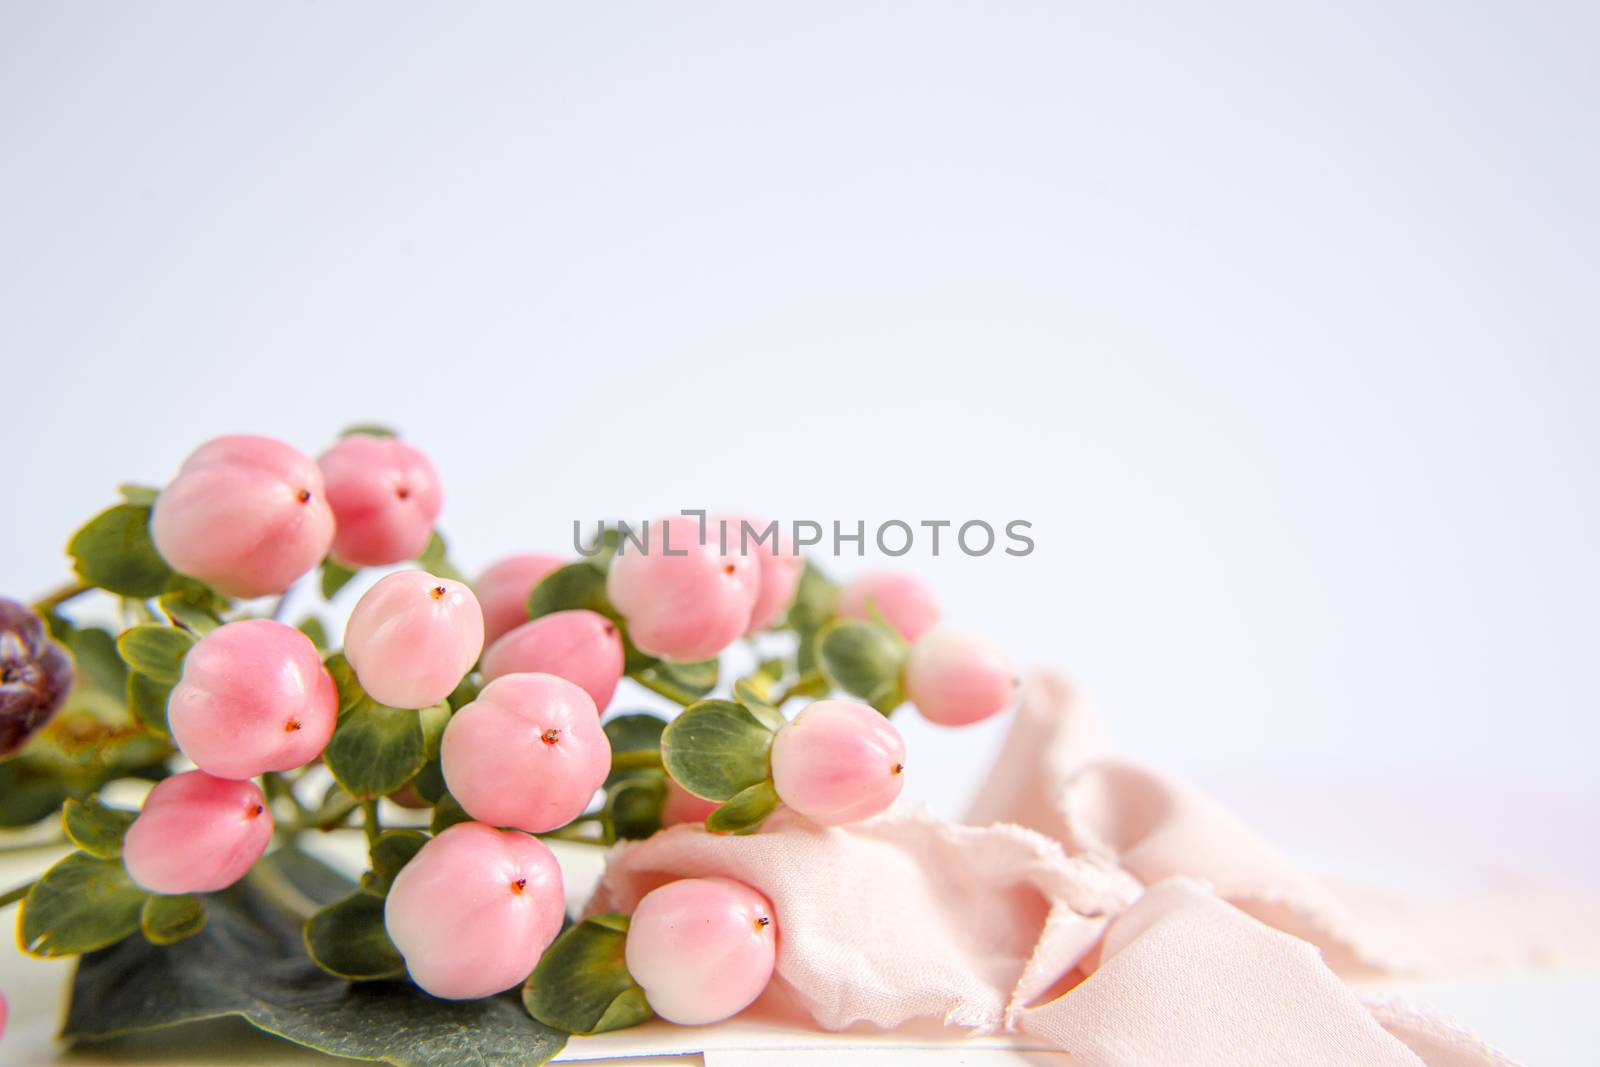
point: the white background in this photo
(1276, 321)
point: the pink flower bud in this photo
(778, 567)
(196, 834)
(413, 637)
(246, 515)
(682, 806)
(701, 948)
(253, 697)
(838, 762)
(529, 753)
(683, 600)
(503, 591)
(581, 646)
(955, 678)
(385, 497)
(474, 910)
(902, 600)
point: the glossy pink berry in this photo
(701, 948)
(528, 753)
(503, 591)
(902, 600)
(253, 697)
(838, 762)
(778, 567)
(474, 910)
(196, 834)
(683, 600)
(681, 806)
(385, 497)
(581, 646)
(413, 637)
(246, 515)
(3, 1014)
(955, 678)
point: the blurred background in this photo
(1275, 321)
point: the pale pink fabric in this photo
(1101, 908)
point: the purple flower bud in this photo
(35, 676)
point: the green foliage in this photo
(347, 939)
(391, 851)
(435, 559)
(582, 985)
(681, 682)
(183, 610)
(156, 651)
(113, 551)
(865, 659)
(168, 920)
(577, 585)
(744, 811)
(335, 576)
(147, 700)
(375, 749)
(80, 904)
(717, 749)
(95, 828)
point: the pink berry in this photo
(778, 568)
(838, 762)
(681, 806)
(503, 591)
(3, 1013)
(902, 600)
(253, 697)
(474, 910)
(413, 637)
(246, 515)
(687, 605)
(196, 834)
(581, 646)
(955, 678)
(385, 497)
(528, 753)
(702, 948)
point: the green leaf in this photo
(96, 828)
(815, 600)
(347, 938)
(682, 682)
(392, 851)
(96, 660)
(446, 813)
(756, 703)
(577, 585)
(367, 429)
(156, 651)
(375, 749)
(312, 627)
(636, 731)
(113, 551)
(335, 576)
(82, 903)
(582, 985)
(147, 699)
(168, 920)
(29, 792)
(716, 749)
(250, 962)
(432, 720)
(743, 813)
(184, 612)
(865, 660)
(435, 559)
(429, 782)
(138, 495)
(633, 806)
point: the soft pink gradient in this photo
(503, 591)
(413, 637)
(253, 697)
(385, 497)
(583, 647)
(196, 834)
(904, 601)
(778, 567)
(838, 762)
(701, 948)
(246, 515)
(529, 753)
(683, 607)
(955, 678)
(474, 910)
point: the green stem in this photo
(11, 896)
(271, 882)
(369, 822)
(637, 760)
(330, 819)
(56, 597)
(276, 785)
(664, 688)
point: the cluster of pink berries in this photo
(523, 752)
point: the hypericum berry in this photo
(385, 497)
(902, 600)
(413, 637)
(474, 909)
(683, 600)
(197, 834)
(254, 697)
(682, 806)
(583, 647)
(246, 515)
(528, 753)
(778, 567)
(701, 948)
(955, 678)
(503, 591)
(35, 676)
(838, 762)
